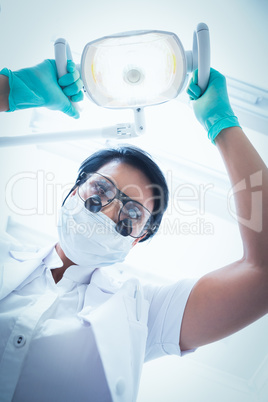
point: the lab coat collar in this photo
(79, 273)
(52, 260)
(20, 267)
(42, 253)
(23, 266)
(75, 273)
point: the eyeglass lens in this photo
(101, 186)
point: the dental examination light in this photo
(141, 68)
(130, 70)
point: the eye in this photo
(100, 187)
(103, 189)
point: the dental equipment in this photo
(130, 70)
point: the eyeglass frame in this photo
(122, 197)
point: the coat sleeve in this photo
(167, 305)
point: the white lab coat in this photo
(119, 323)
(118, 319)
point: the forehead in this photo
(130, 181)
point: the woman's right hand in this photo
(39, 87)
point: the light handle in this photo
(202, 42)
(62, 54)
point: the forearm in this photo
(4, 93)
(249, 178)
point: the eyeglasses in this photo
(98, 191)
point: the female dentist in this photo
(67, 331)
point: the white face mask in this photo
(88, 238)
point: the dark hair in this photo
(141, 160)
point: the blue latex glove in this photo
(212, 109)
(39, 86)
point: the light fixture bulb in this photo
(133, 76)
(134, 69)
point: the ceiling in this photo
(239, 49)
(238, 29)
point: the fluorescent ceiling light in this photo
(250, 104)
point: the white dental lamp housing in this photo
(141, 68)
(138, 69)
